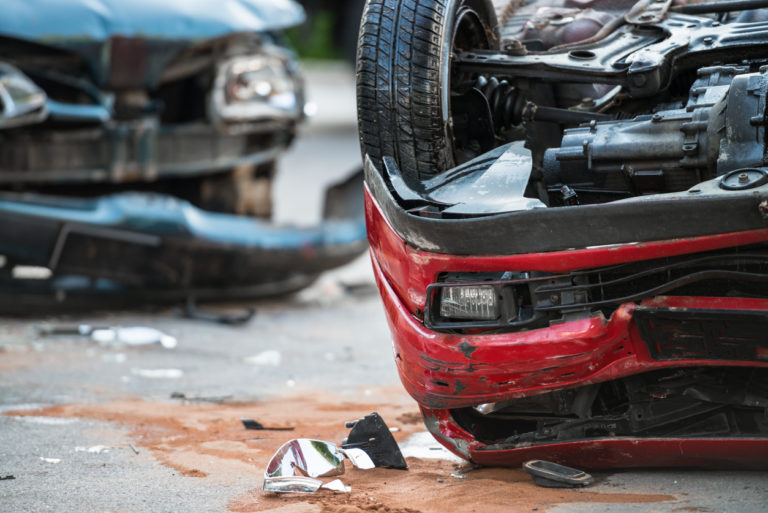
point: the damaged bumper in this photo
(611, 327)
(150, 248)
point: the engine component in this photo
(721, 128)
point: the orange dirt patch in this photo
(208, 441)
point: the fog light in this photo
(478, 302)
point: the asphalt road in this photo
(326, 349)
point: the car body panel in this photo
(607, 453)
(444, 370)
(59, 23)
(140, 248)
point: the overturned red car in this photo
(567, 207)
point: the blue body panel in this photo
(161, 215)
(53, 21)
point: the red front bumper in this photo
(449, 370)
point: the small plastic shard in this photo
(292, 484)
(269, 358)
(134, 336)
(191, 311)
(50, 460)
(7, 478)
(158, 373)
(359, 458)
(337, 486)
(553, 475)
(201, 399)
(94, 449)
(133, 448)
(130, 335)
(254, 424)
(372, 435)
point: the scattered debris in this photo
(296, 466)
(253, 424)
(372, 435)
(337, 486)
(130, 335)
(422, 445)
(191, 311)
(359, 458)
(158, 373)
(270, 358)
(133, 448)
(7, 478)
(50, 460)
(553, 475)
(94, 449)
(201, 399)
(47, 421)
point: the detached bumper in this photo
(148, 248)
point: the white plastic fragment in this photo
(337, 486)
(50, 460)
(270, 358)
(359, 458)
(94, 449)
(422, 445)
(134, 336)
(158, 373)
(47, 421)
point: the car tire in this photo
(403, 78)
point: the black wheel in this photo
(405, 79)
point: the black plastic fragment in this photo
(191, 311)
(372, 435)
(253, 424)
(553, 475)
(6, 478)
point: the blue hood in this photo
(52, 21)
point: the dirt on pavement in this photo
(208, 441)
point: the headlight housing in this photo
(256, 87)
(22, 102)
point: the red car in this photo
(568, 216)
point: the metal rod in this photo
(732, 5)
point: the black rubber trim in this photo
(557, 229)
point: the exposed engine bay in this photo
(607, 100)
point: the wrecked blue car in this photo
(187, 104)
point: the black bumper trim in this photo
(656, 218)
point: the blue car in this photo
(188, 102)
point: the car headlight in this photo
(256, 87)
(469, 302)
(22, 102)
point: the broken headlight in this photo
(22, 102)
(256, 87)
